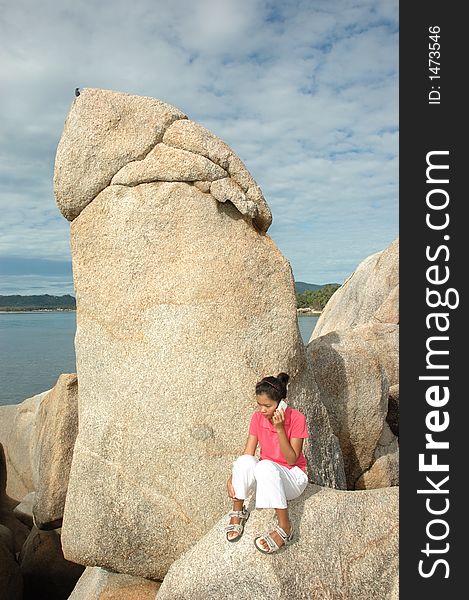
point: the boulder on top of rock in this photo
(183, 304)
(104, 131)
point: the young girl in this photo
(279, 475)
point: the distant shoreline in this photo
(305, 312)
(308, 312)
(35, 310)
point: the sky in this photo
(304, 91)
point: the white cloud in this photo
(305, 92)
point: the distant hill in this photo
(40, 302)
(301, 286)
(48, 302)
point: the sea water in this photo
(36, 347)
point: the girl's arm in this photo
(251, 445)
(292, 448)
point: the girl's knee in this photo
(266, 468)
(245, 460)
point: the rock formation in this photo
(55, 443)
(370, 294)
(346, 547)
(17, 435)
(354, 354)
(39, 435)
(183, 304)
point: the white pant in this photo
(274, 483)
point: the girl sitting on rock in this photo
(279, 475)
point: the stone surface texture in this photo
(346, 548)
(56, 435)
(368, 294)
(183, 304)
(99, 584)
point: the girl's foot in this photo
(276, 537)
(236, 527)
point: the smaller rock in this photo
(226, 189)
(355, 397)
(19, 445)
(46, 573)
(263, 219)
(239, 173)
(97, 582)
(191, 136)
(383, 473)
(56, 434)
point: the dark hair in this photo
(274, 387)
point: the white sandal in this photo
(238, 527)
(273, 546)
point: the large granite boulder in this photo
(354, 355)
(183, 304)
(354, 387)
(346, 548)
(56, 434)
(371, 293)
(99, 584)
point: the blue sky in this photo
(305, 92)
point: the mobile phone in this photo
(282, 405)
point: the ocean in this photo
(36, 347)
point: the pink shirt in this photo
(264, 430)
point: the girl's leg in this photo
(275, 485)
(244, 482)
